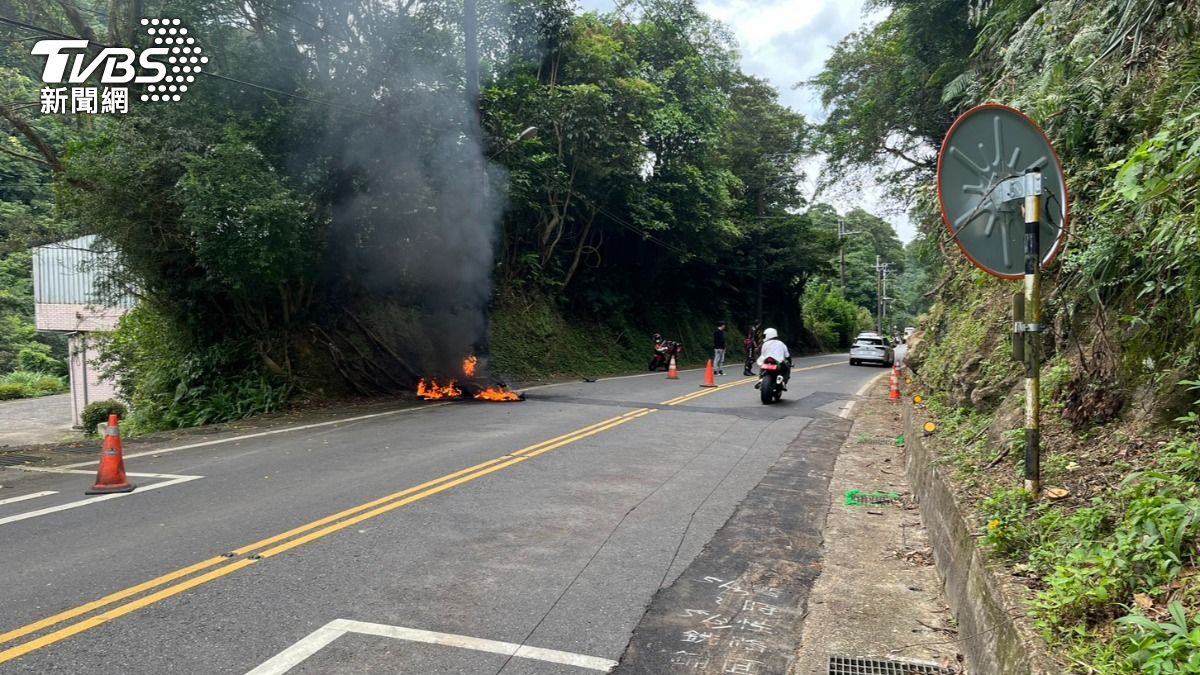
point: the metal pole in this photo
(471, 40)
(761, 209)
(883, 300)
(1033, 327)
(878, 296)
(842, 253)
(758, 273)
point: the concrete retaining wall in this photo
(993, 633)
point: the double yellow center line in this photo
(181, 580)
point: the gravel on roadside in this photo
(878, 595)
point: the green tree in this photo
(883, 89)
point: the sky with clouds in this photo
(787, 42)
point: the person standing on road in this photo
(751, 344)
(719, 349)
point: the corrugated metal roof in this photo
(68, 272)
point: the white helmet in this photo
(770, 334)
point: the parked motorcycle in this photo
(772, 380)
(663, 351)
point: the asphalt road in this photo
(45, 419)
(429, 540)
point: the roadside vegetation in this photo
(31, 364)
(1113, 564)
(29, 384)
(329, 230)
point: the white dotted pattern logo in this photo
(185, 59)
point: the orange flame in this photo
(432, 391)
(497, 394)
(469, 365)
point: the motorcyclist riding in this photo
(774, 348)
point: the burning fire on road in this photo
(432, 391)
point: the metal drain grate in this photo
(851, 665)
(14, 460)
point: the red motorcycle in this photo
(663, 351)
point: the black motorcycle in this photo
(772, 380)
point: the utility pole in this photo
(761, 207)
(882, 270)
(842, 253)
(879, 296)
(842, 234)
(471, 39)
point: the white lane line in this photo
(51, 469)
(175, 480)
(315, 641)
(330, 423)
(260, 434)
(658, 373)
(292, 656)
(344, 420)
(13, 500)
(848, 411)
(89, 472)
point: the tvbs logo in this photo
(166, 70)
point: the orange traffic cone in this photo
(110, 477)
(894, 395)
(672, 371)
(708, 375)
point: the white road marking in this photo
(292, 656)
(173, 480)
(657, 372)
(260, 434)
(344, 420)
(318, 639)
(848, 411)
(51, 469)
(13, 500)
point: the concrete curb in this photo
(996, 637)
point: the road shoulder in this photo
(739, 605)
(878, 595)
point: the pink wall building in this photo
(67, 299)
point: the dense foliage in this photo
(24, 220)
(334, 208)
(1116, 85)
(97, 412)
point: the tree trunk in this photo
(136, 9)
(79, 23)
(583, 240)
(471, 37)
(33, 136)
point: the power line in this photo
(635, 229)
(686, 38)
(310, 24)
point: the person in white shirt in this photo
(773, 348)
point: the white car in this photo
(873, 349)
